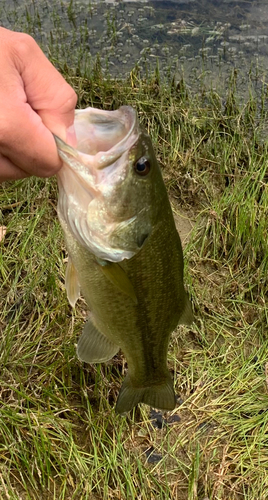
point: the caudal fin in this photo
(160, 396)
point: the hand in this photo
(35, 101)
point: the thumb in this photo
(46, 90)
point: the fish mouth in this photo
(102, 136)
(114, 134)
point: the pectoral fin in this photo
(93, 346)
(116, 275)
(71, 283)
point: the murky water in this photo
(199, 40)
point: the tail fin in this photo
(159, 396)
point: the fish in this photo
(124, 251)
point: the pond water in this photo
(199, 40)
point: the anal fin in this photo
(93, 346)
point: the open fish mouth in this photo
(102, 137)
(102, 131)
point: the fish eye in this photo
(142, 166)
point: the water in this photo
(202, 40)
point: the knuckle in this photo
(73, 98)
(69, 99)
(25, 46)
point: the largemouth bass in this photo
(124, 251)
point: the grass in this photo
(59, 436)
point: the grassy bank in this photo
(59, 436)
